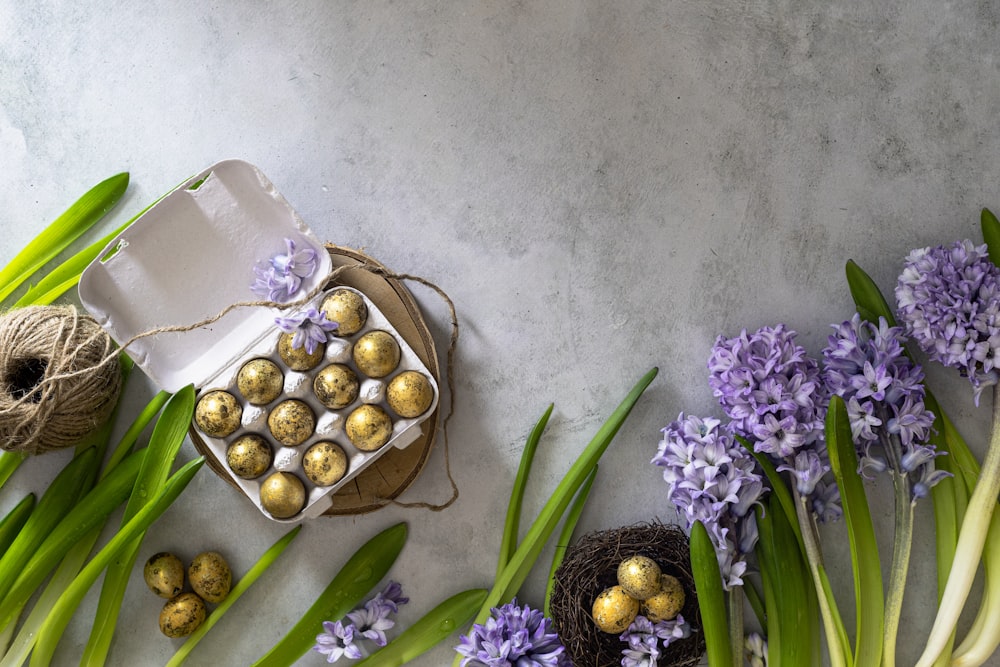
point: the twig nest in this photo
(591, 566)
(59, 378)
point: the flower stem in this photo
(902, 543)
(736, 624)
(971, 539)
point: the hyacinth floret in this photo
(712, 479)
(883, 390)
(773, 393)
(645, 640)
(368, 622)
(281, 276)
(513, 636)
(949, 301)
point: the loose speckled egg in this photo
(368, 427)
(409, 394)
(282, 495)
(347, 309)
(218, 414)
(614, 610)
(376, 354)
(164, 574)
(667, 603)
(291, 422)
(336, 386)
(260, 381)
(182, 615)
(249, 456)
(210, 576)
(639, 576)
(324, 463)
(298, 358)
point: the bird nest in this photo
(591, 565)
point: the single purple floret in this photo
(309, 328)
(336, 642)
(301, 263)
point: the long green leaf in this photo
(991, 234)
(861, 534)
(711, 598)
(62, 611)
(14, 520)
(435, 626)
(164, 444)
(82, 215)
(779, 489)
(867, 297)
(9, 462)
(512, 524)
(566, 535)
(509, 582)
(241, 587)
(354, 581)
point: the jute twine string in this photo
(332, 276)
(59, 378)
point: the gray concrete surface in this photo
(601, 187)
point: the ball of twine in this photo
(591, 565)
(58, 378)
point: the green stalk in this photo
(62, 611)
(901, 547)
(508, 543)
(164, 444)
(58, 499)
(85, 515)
(779, 489)
(14, 520)
(9, 462)
(566, 536)
(861, 533)
(80, 217)
(354, 581)
(436, 626)
(238, 590)
(711, 598)
(734, 619)
(756, 604)
(507, 584)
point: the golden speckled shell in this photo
(249, 456)
(666, 604)
(325, 463)
(283, 495)
(260, 381)
(164, 574)
(218, 414)
(639, 576)
(336, 386)
(210, 576)
(368, 427)
(182, 615)
(409, 394)
(291, 422)
(614, 610)
(376, 354)
(297, 358)
(347, 309)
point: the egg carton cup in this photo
(329, 423)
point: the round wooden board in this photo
(394, 471)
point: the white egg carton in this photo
(190, 257)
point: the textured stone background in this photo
(600, 187)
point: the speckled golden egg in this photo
(336, 386)
(249, 456)
(218, 414)
(282, 495)
(368, 427)
(614, 610)
(182, 615)
(376, 354)
(324, 463)
(639, 576)
(210, 576)
(260, 381)
(164, 574)
(298, 358)
(291, 422)
(667, 603)
(347, 309)
(409, 394)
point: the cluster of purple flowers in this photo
(646, 640)
(774, 395)
(281, 277)
(883, 389)
(513, 635)
(949, 301)
(368, 622)
(309, 328)
(711, 479)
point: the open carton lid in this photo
(185, 260)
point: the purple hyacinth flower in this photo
(513, 636)
(336, 642)
(372, 620)
(949, 301)
(309, 328)
(274, 286)
(301, 263)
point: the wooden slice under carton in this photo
(396, 469)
